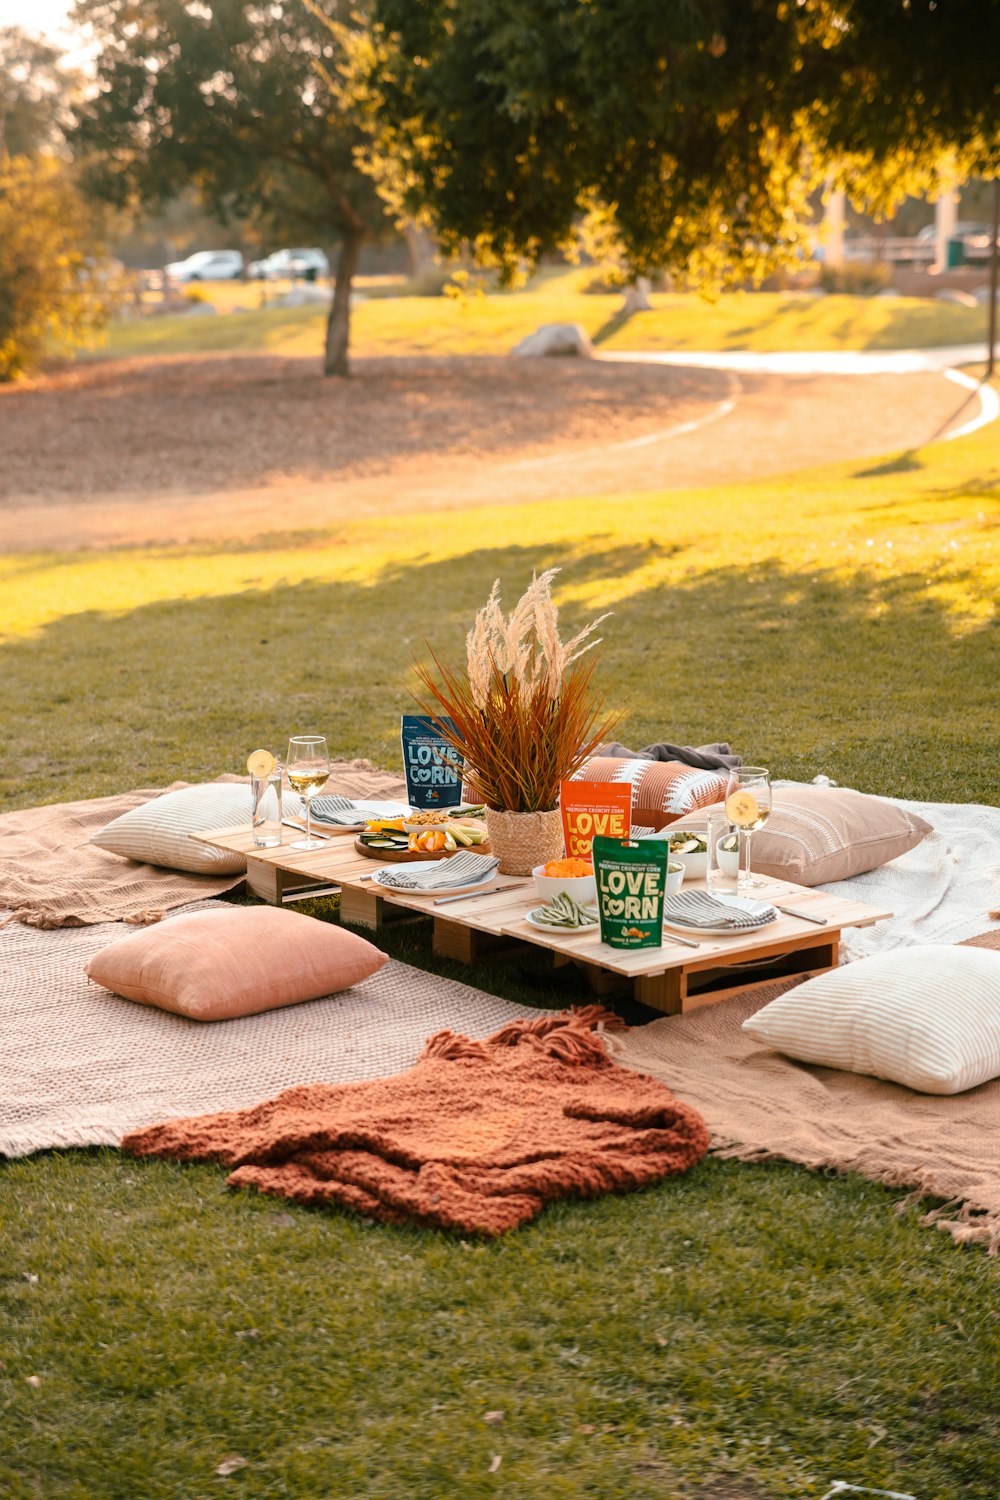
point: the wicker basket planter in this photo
(522, 840)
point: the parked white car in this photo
(298, 264)
(207, 265)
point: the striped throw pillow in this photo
(662, 790)
(927, 1017)
(158, 833)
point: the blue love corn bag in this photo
(433, 767)
(631, 885)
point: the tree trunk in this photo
(419, 247)
(338, 327)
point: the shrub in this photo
(856, 278)
(51, 289)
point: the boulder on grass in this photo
(960, 299)
(556, 338)
(302, 294)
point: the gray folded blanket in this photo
(719, 757)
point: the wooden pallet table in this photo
(672, 979)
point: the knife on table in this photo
(494, 890)
(287, 823)
(803, 916)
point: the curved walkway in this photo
(739, 417)
(814, 362)
(839, 362)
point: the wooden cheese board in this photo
(407, 856)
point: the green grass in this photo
(842, 621)
(747, 1332)
(743, 1323)
(493, 323)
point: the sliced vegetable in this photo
(563, 911)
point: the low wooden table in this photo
(672, 979)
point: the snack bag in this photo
(631, 884)
(433, 767)
(594, 807)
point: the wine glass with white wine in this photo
(307, 765)
(748, 806)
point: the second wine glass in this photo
(748, 806)
(307, 764)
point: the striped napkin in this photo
(698, 909)
(459, 869)
(340, 811)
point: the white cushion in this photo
(158, 832)
(927, 1017)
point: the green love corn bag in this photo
(631, 884)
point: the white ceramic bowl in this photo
(440, 827)
(695, 862)
(675, 878)
(583, 888)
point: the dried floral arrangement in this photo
(525, 710)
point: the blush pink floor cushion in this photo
(214, 965)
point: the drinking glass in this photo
(748, 806)
(307, 765)
(265, 820)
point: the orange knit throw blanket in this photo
(476, 1136)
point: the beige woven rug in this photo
(52, 876)
(760, 1106)
(82, 1067)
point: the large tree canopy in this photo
(33, 93)
(699, 125)
(242, 100)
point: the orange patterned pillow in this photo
(662, 790)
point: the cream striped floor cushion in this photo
(662, 790)
(927, 1017)
(158, 832)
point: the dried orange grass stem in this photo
(525, 711)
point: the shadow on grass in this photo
(613, 325)
(867, 680)
(903, 463)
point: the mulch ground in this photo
(132, 450)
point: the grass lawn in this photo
(752, 1333)
(492, 324)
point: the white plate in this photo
(429, 864)
(551, 926)
(367, 811)
(738, 903)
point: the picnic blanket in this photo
(476, 1136)
(52, 876)
(82, 1067)
(761, 1106)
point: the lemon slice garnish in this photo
(260, 763)
(742, 808)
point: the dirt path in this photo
(235, 446)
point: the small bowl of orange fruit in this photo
(575, 876)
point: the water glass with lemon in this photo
(265, 792)
(748, 807)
